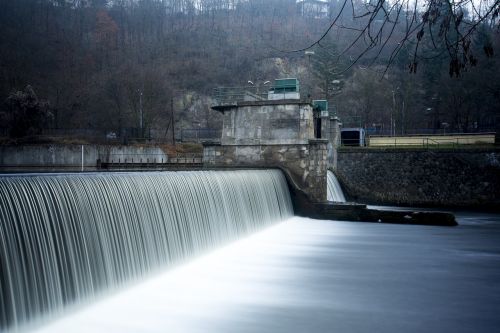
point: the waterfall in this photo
(334, 191)
(66, 238)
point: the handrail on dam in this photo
(124, 159)
(231, 95)
(451, 141)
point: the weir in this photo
(333, 189)
(66, 238)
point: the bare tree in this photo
(26, 114)
(380, 26)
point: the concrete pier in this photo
(273, 134)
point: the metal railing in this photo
(150, 159)
(418, 131)
(443, 141)
(155, 135)
(232, 95)
(186, 159)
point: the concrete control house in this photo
(275, 128)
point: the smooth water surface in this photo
(307, 275)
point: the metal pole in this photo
(403, 117)
(82, 158)
(141, 113)
(393, 116)
(173, 119)
(391, 125)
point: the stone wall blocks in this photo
(423, 178)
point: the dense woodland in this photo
(95, 64)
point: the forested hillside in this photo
(97, 64)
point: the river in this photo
(305, 275)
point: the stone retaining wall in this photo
(458, 178)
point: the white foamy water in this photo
(306, 275)
(65, 239)
(334, 191)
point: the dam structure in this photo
(276, 128)
(65, 239)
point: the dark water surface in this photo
(320, 276)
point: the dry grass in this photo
(182, 148)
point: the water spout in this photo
(334, 191)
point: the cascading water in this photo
(65, 238)
(334, 191)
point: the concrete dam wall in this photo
(413, 177)
(73, 157)
(455, 178)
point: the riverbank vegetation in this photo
(147, 67)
